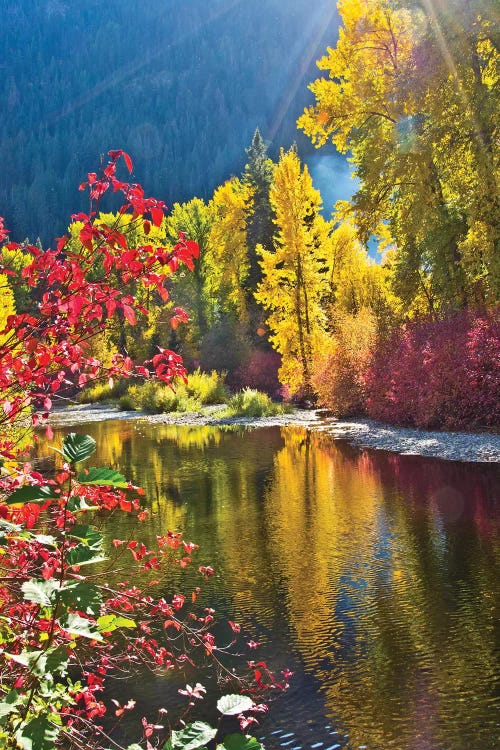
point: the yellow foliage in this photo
(295, 277)
(7, 306)
(411, 94)
(358, 282)
(228, 253)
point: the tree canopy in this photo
(411, 95)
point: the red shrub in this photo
(260, 372)
(443, 374)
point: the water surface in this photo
(374, 577)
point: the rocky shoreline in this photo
(450, 446)
(363, 433)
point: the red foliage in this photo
(74, 306)
(439, 374)
(43, 543)
(260, 372)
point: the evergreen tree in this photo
(258, 176)
(184, 117)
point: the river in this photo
(373, 577)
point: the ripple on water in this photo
(373, 577)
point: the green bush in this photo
(126, 403)
(200, 390)
(153, 397)
(208, 388)
(252, 403)
(101, 391)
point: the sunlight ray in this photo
(319, 25)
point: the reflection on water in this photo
(373, 576)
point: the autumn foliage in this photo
(339, 378)
(64, 631)
(443, 373)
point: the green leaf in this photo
(231, 705)
(80, 626)
(46, 539)
(83, 596)
(76, 503)
(83, 555)
(26, 658)
(77, 447)
(87, 534)
(56, 662)
(108, 623)
(135, 746)
(8, 706)
(240, 742)
(43, 663)
(103, 478)
(39, 591)
(193, 736)
(31, 494)
(37, 734)
(7, 528)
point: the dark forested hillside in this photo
(78, 78)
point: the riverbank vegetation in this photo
(191, 394)
(288, 300)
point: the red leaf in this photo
(157, 216)
(171, 624)
(128, 161)
(129, 314)
(125, 505)
(193, 248)
(61, 241)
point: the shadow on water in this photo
(375, 577)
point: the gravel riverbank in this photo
(451, 446)
(364, 433)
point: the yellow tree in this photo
(227, 256)
(7, 305)
(195, 219)
(356, 281)
(295, 275)
(410, 94)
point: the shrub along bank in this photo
(441, 374)
(200, 389)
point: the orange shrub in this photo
(339, 377)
